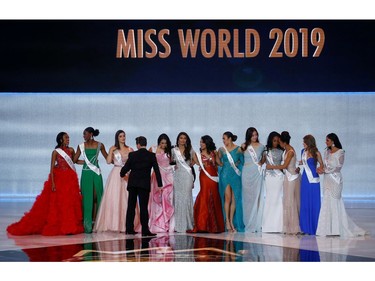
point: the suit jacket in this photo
(139, 164)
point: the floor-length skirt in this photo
(114, 204)
(161, 208)
(253, 195)
(291, 201)
(309, 205)
(273, 205)
(333, 219)
(208, 215)
(54, 213)
(183, 200)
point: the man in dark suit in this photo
(139, 164)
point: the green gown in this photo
(90, 183)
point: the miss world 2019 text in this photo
(221, 43)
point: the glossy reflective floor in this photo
(177, 247)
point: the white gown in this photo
(333, 219)
(273, 205)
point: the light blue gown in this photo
(252, 191)
(227, 176)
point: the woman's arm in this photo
(53, 161)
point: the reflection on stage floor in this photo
(184, 247)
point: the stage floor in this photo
(177, 247)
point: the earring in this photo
(333, 145)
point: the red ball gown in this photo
(58, 212)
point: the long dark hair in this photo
(117, 143)
(310, 142)
(333, 137)
(91, 130)
(269, 140)
(210, 145)
(188, 145)
(248, 136)
(59, 139)
(169, 145)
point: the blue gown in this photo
(227, 175)
(310, 201)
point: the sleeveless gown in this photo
(183, 183)
(310, 200)
(208, 214)
(291, 197)
(227, 176)
(54, 213)
(114, 204)
(161, 209)
(252, 191)
(90, 181)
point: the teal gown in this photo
(227, 175)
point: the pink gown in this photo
(161, 208)
(114, 204)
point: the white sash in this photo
(231, 161)
(270, 160)
(66, 158)
(254, 157)
(117, 155)
(307, 169)
(182, 161)
(333, 175)
(199, 156)
(289, 176)
(92, 167)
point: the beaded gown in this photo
(183, 184)
(291, 196)
(333, 219)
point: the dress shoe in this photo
(131, 232)
(148, 233)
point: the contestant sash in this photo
(117, 155)
(270, 160)
(333, 175)
(182, 161)
(92, 167)
(231, 161)
(199, 156)
(66, 158)
(289, 175)
(254, 157)
(309, 174)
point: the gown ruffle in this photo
(54, 213)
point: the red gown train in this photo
(54, 213)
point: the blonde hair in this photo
(310, 142)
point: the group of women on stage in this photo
(251, 188)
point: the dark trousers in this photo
(143, 196)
